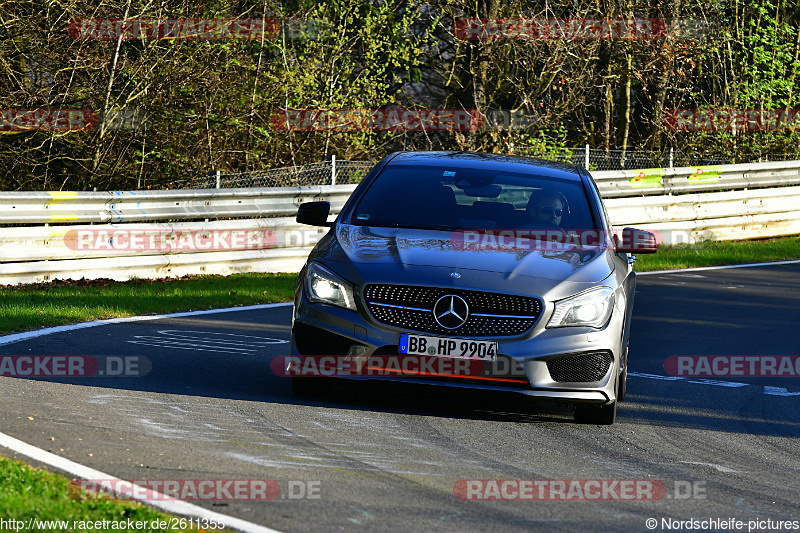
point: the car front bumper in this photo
(526, 363)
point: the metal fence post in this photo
(670, 156)
(214, 179)
(333, 169)
(586, 157)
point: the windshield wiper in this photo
(437, 227)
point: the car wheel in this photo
(622, 384)
(303, 386)
(313, 386)
(602, 415)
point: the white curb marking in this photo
(171, 506)
(17, 337)
(699, 269)
(770, 391)
(84, 472)
(206, 341)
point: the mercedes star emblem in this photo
(451, 311)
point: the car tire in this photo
(303, 386)
(622, 384)
(313, 386)
(601, 415)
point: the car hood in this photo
(399, 250)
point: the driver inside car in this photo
(547, 208)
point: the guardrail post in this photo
(333, 169)
(670, 157)
(586, 156)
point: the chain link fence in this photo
(341, 172)
(599, 159)
(330, 172)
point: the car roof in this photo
(482, 161)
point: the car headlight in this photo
(590, 308)
(323, 285)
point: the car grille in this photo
(490, 314)
(579, 368)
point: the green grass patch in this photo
(717, 253)
(28, 493)
(25, 307)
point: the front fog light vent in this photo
(583, 368)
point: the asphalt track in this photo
(387, 458)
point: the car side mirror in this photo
(636, 241)
(314, 214)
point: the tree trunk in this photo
(626, 108)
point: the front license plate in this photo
(445, 347)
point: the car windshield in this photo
(451, 199)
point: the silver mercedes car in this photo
(471, 270)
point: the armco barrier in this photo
(56, 249)
(50, 235)
(680, 180)
(136, 206)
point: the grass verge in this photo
(27, 493)
(26, 307)
(717, 253)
